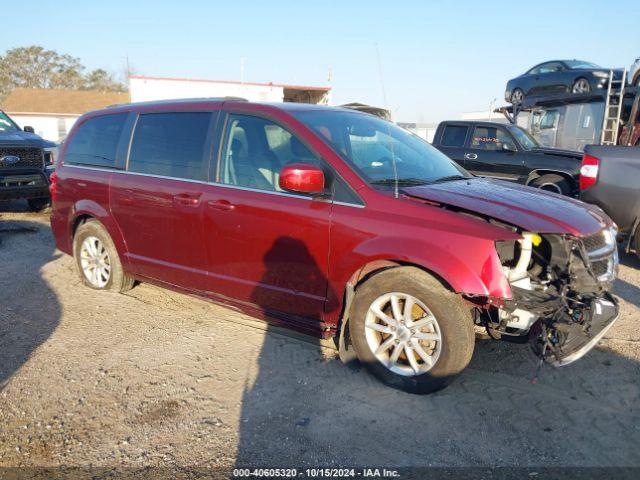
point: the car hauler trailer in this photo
(572, 121)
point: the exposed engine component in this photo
(559, 286)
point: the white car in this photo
(634, 73)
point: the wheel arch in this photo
(86, 210)
(540, 172)
(454, 274)
(359, 277)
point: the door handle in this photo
(223, 205)
(470, 156)
(186, 199)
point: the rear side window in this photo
(96, 141)
(171, 145)
(454, 136)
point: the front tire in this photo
(410, 331)
(97, 259)
(553, 183)
(517, 96)
(581, 85)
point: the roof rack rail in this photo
(183, 100)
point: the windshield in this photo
(6, 124)
(581, 64)
(378, 149)
(524, 139)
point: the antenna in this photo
(386, 106)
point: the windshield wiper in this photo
(401, 181)
(450, 178)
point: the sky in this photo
(426, 61)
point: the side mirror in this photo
(29, 129)
(509, 147)
(302, 178)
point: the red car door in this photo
(266, 247)
(157, 201)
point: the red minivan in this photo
(336, 223)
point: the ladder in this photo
(613, 109)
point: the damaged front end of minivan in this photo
(560, 288)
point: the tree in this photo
(100, 79)
(35, 67)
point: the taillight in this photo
(589, 171)
(53, 186)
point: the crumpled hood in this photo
(533, 210)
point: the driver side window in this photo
(550, 67)
(491, 138)
(256, 149)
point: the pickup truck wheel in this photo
(97, 259)
(552, 183)
(38, 204)
(410, 331)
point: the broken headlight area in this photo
(560, 301)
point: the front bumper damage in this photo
(560, 293)
(578, 339)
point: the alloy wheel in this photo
(581, 86)
(517, 96)
(403, 334)
(95, 262)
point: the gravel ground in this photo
(156, 378)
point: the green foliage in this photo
(35, 67)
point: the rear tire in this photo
(97, 259)
(38, 205)
(438, 327)
(553, 183)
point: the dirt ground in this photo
(156, 378)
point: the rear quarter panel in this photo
(82, 192)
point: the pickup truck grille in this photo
(30, 157)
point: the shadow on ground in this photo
(27, 324)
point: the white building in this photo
(52, 113)
(144, 88)
(426, 131)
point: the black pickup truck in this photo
(26, 162)
(610, 178)
(506, 151)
